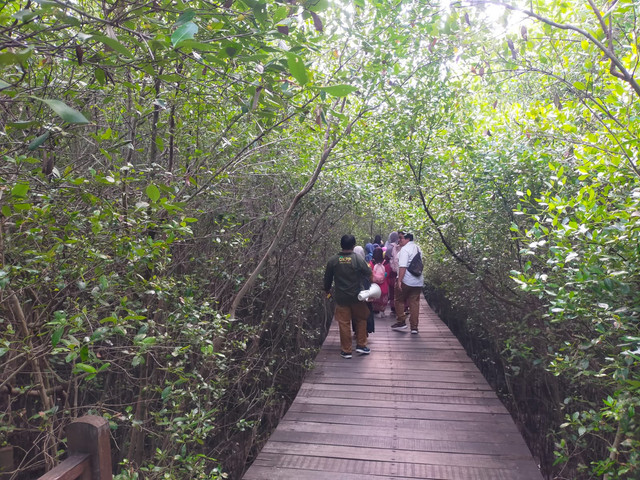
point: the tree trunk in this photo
(328, 148)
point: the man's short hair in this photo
(348, 242)
(409, 236)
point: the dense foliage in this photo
(150, 152)
(174, 175)
(529, 187)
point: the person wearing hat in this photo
(347, 269)
(408, 285)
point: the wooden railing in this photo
(89, 452)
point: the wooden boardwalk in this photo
(415, 408)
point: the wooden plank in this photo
(431, 392)
(400, 423)
(424, 397)
(398, 401)
(444, 377)
(298, 467)
(386, 384)
(423, 366)
(416, 408)
(392, 440)
(401, 456)
(269, 473)
(445, 431)
(439, 412)
(77, 466)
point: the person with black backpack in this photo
(409, 283)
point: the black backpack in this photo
(415, 266)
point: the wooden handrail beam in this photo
(89, 452)
(76, 466)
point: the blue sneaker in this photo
(363, 350)
(345, 354)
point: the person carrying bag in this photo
(409, 283)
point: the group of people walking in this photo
(396, 267)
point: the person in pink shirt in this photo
(381, 271)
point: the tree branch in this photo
(462, 261)
(615, 61)
(328, 148)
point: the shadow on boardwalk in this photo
(416, 408)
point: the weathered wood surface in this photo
(89, 458)
(415, 408)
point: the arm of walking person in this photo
(328, 279)
(401, 272)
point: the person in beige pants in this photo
(408, 286)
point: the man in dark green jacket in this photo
(347, 270)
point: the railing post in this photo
(89, 452)
(90, 434)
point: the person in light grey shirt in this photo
(408, 285)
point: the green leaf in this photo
(338, 90)
(153, 193)
(229, 51)
(4, 85)
(317, 5)
(166, 392)
(7, 58)
(101, 76)
(297, 68)
(70, 20)
(260, 12)
(104, 366)
(83, 367)
(25, 15)
(64, 111)
(184, 32)
(200, 46)
(56, 336)
(11, 58)
(6, 210)
(280, 14)
(114, 44)
(39, 141)
(22, 124)
(185, 17)
(137, 360)
(20, 190)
